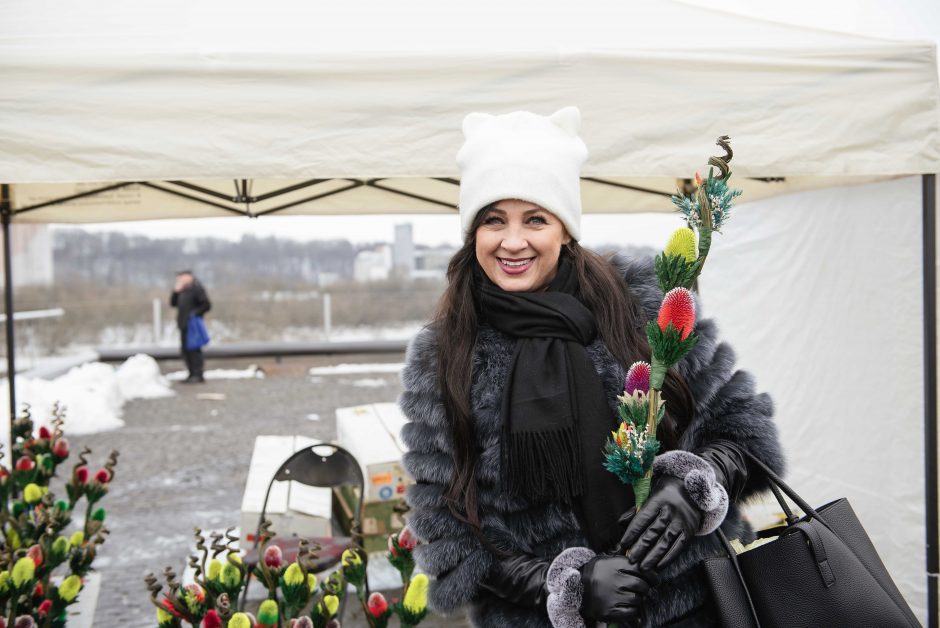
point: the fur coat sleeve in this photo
(727, 407)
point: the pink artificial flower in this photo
(407, 539)
(273, 557)
(61, 448)
(35, 554)
(377, 604)
(638, 378)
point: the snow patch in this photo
(252, 372)
(355, 369)
(92, 394)
(369, 382)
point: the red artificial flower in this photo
(638, 378)
(35, 553)
(25, 464)
(4, 473)
(102, 476)
(196, 592)
(45, 433)
(407, 539)
(212, 619)
(61, 449)
(273, 557)
(377, 604)
(45, 607)
(698, 179)
(38, 591)
(168, 607)
(678, 308)
(81, 475)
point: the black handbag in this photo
(821, 570)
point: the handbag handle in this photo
(737, 571)
(777, 485)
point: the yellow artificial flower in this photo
(23, 571)
(215, 569)
(293, 575)
(70, 587)
(4, 581)
(416, 599)
(330, 603)
(682, 244)
(239, 620)
(163, 616)
(77, 538)
(351, 557)
(230, 576)
(311, 581)
(32, 493)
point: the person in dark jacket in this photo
(190, 299)
(511, 393)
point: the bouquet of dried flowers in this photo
(629, 453)
(42, 566)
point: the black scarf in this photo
(555, 414)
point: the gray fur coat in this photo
(727, 407)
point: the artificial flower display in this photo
(41, 563)
(632, 447)
(295, 597)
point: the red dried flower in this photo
(377, 604)
(678, 308)
(81, 474)
(102, 476)
(407, 539)
(45, 607)
(25, 463)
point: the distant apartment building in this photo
(403, 251)
(31, 250)
(374, 264)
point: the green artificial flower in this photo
(98, 515)
(77, 538)
(60, 547)
(267, 613)
(4, 581)
(23, 571)
(69, 588)
(230, 576)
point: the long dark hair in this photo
(620, 322)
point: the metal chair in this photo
(324, 465)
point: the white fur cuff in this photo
(699, 477)
(564, 587)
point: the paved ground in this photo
(184, 461)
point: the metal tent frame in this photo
(243, 197)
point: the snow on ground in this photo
(93, 394)
(370, 382)
(252, 372)
(355, 369)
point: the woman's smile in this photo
(518, 244)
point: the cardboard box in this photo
(372, 433)
(293, 508)
(379, 519)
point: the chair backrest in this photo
(324, 465)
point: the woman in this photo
(511, 394)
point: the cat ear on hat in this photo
(568, 119)
(473, 121)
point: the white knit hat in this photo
(523, 156)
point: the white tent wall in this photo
(820, 293)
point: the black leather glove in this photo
(663, 527)
(519, 579)
(669, 519)
(613, 590)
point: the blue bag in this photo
(197, 336)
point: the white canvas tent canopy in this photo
(190, 109)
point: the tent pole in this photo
(929, 196)
(6, 215)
